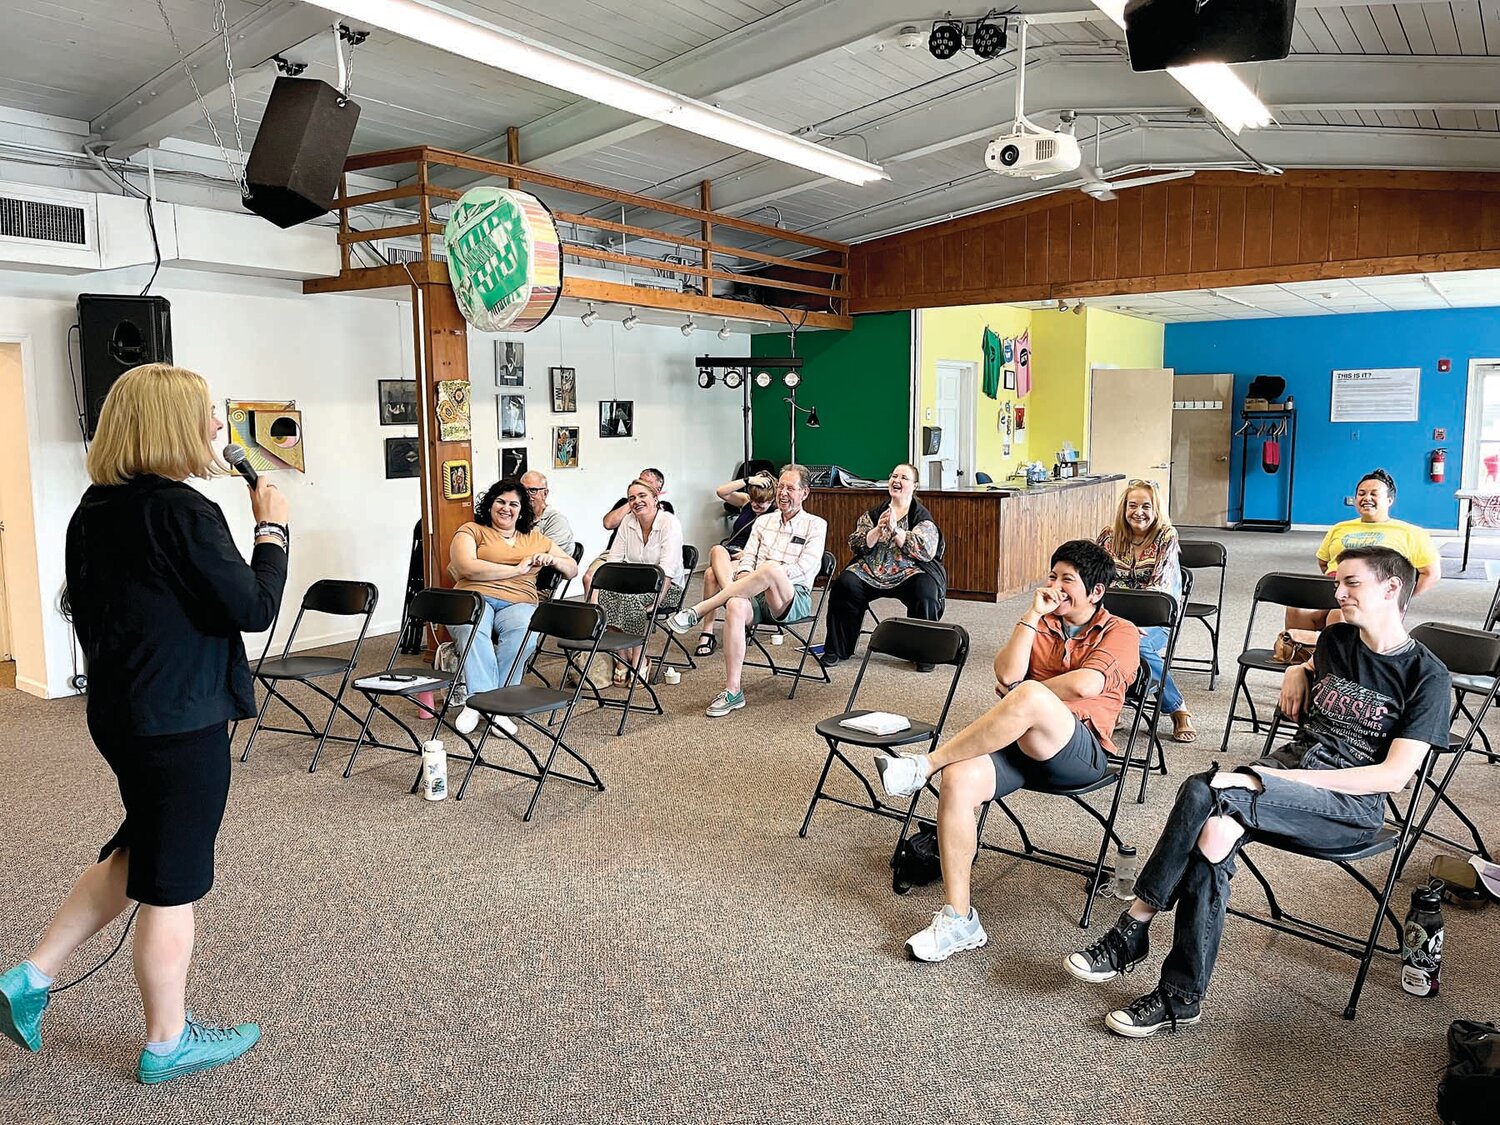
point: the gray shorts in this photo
(1082, 761)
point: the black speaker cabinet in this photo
(114, 335)
(299, 151)
(1163, 33)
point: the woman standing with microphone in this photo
(160, 596)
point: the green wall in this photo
(860, 381)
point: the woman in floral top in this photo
(897, 554)
(1143, 544)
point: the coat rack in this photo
(1279, 426)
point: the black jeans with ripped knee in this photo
(1179, 877)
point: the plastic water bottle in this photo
(1422, 942)
(434, 770)
(1126, 865)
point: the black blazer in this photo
(160, 596)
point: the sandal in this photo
(1182, 727)
(708, 644)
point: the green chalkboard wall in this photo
(860, 381)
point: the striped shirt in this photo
(797, 544)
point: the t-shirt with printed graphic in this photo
(991, 364)
(1407, 540)
(1360, 700)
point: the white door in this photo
(954, 415)
(1482, 434)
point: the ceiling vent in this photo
(34, 221)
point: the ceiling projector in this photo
(1034, 153)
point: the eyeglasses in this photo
(536, 491)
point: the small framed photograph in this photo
(1010, 378)
(564, 386)
(398, 402)
(616, 418)
(512, 420)
(565, 447)
(513, 462)
(456, 480)
(510, 364)
(401, 458)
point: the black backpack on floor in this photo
(1470, 1087)
(915, 862)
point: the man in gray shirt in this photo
(549, 521)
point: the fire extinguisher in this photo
(1437, 465)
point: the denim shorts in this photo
(1081, 761)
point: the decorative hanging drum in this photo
(504, 259)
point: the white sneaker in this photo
(683, 621)
(901, 777)
(467, 721)
(949, 933)
(501, 723)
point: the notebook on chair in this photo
(877, 722)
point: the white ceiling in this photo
(1403, 84)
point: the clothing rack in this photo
(1263, 424)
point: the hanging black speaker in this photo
(114, 335)
(299, 151)
(1163, 33)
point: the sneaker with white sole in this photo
(683, 621)
(467, 721)
(900, 776)
(725, 702)
(1156, 1011)
(949, 933)
(201, 1047)
(1121, 948)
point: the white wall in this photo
(263, 339)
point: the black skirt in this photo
(174, 787)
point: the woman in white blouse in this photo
(648, 534)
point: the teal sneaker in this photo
(22, 1003)
(724, 703)
(202, 1048)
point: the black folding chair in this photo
(428, 609)
(550, 582)
(335, 598)
(620, 578)
(580, 629)
(1395, 838)
(1119, 603)
(1492, 615)
(670, 605)
(801, 629)
(1199, 555)
(1289, 591)
(1145, 609)
(905, 639)
(1472, 657)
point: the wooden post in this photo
(424, 211)
(512, 150)
(445, 353)
(706, 202)
(343, 211)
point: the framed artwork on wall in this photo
(565, 447)
(456, 484)
(401, 458)
(616, 418)
(453, 410)
(510, 365)
(398, 402)
(564, 386)
(513, 462)
(1010, 378)
(512, 421)
(270, 433)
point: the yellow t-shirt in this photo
(490, 546)
(1404, 538)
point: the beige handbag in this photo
(1294, 646)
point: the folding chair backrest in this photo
(569, 621)
(446, 607)
(1297, 591)
(920, 642)
(1494, 611)
(1202, 554)
(689, 559)
(548, 577)
(630, 578)
(1145, 609)
(1464, 652)
(829, 565)
(341, 597)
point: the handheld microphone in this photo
(235, 456)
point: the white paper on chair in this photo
(406, 683)
(877, 722)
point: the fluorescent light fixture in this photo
(471, 38)
(1219, 89)
(1232, 300)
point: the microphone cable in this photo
(108, 957)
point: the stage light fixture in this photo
(705, 378)
(687, 327)
(1078, 309)
(723, 333)
(792, 379)
(989, 38)
(762, 379)
(733, 379)
(947, 38)
(812, 419)
(630, 321)
(589, 317)
(1062, 306)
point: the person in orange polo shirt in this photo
(1061, 677)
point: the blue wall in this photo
(1332, 456)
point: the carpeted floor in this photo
(669, 950)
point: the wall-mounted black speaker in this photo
(299, 151)
(932, 440)
(1163, 33)
(114, 335)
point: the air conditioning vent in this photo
(399, 255)
(42, 222)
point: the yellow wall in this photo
(1065, 346)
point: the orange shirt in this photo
(490, 546)
(1109, 645)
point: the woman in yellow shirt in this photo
(1373, 497)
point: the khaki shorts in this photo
(801, 607)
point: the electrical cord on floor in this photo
(110, 956)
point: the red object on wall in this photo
(1437, 465)
(1445, 365)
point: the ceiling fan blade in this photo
(1142, 181)
(1100, 190)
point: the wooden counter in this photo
(1000, 541)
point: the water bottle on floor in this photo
(434, 770)
(1126, 866)
(1422, 942)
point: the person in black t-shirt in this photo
(1371, 702)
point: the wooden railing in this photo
(822, 288)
